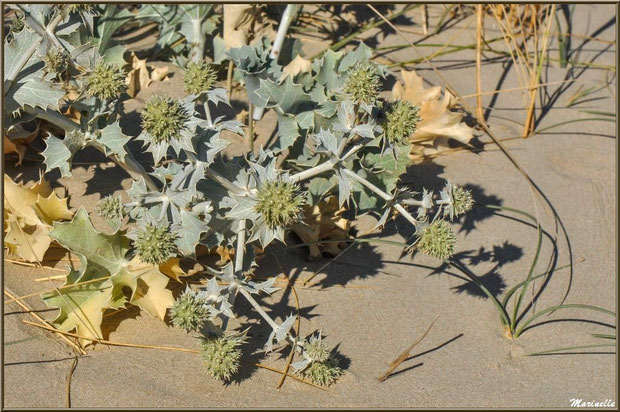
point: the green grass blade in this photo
(610, 114)
(528, 279)
(516, 287)
(554, 308)
(604, 336)
(442, 18)
(501, 309)
(588, 119)
(569, 348)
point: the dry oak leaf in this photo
(159, 74)
(438, 123)
(296, 66)
(237, 22)
(138, 76)
(323, 221)
(176, 268)
(106, 279)
(17, 139)
(29, 215)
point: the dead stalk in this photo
(479, 41)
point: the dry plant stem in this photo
(69, 376)
(425, 19)
(34, 265)
(289, 360)
(297, 378)
(229, 78)
(514, 89)
(169, 348)
(405, 354)
(479, 37)
(288, 16)
(111, 343)
(43, 322)
(535, 76)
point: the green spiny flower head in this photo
(401, 121)
(437, 240)
(189, 311)
(221, 355)
(280, 203)
(323, 373)
(316, 349)
(462, 200)
(110, 207)
(363, 83)
(154, 245)
(164, 119)
(199, 78)
(56, 61)
(106, 81)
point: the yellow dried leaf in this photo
(17, 139)
(236, 25)
(138, 76)
(296, 66)
(159, 74)
(52, 208)
(151, 294)
(30, 242)
(323, 221)
(29, 214)
(438, 123)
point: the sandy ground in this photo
(370, 303)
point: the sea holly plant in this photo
(343, 140)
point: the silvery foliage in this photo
(326, 144)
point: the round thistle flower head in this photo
(323, 373)
(280, 203)
(221, 355)
(437, 240)
(199, 78)
(154, 245)
(110, 207)
(56, 61)
(316, 349)
(462, 200)
(164, 119)
(401, 119)
(189, 311)
(363, 83)
(105, 81)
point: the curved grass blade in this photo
(501, 309)
(604, 336)
(569, 348)
(554, 308)
(516, 287)
(528, 279)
